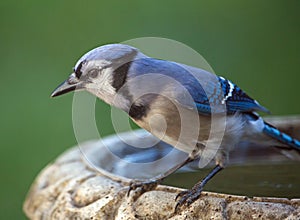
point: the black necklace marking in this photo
(120, 75)
(137, 112)
(122, 67)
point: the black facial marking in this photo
(120, 75)
(78, 71)
(122, 66)
(137, 112)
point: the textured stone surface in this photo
(70, 188)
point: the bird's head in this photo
(101, 71)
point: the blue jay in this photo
(194, 110)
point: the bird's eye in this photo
(93, 73)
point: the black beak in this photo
(64, 88)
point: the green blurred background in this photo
(254, 43)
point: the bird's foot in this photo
(187, 197)
(143, 186)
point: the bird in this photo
(193, 110)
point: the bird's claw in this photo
(188, 196)
(181, 194)
(143, 186)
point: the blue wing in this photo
(204, 87)
(231, 95)
(216, 91)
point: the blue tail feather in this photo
(282, 137)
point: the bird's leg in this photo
(190, 196)
(152, 183)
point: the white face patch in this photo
(101, 86)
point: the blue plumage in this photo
(110, 72)
(237, 99)
(215, 92)
(280, 136)
(219, 91)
